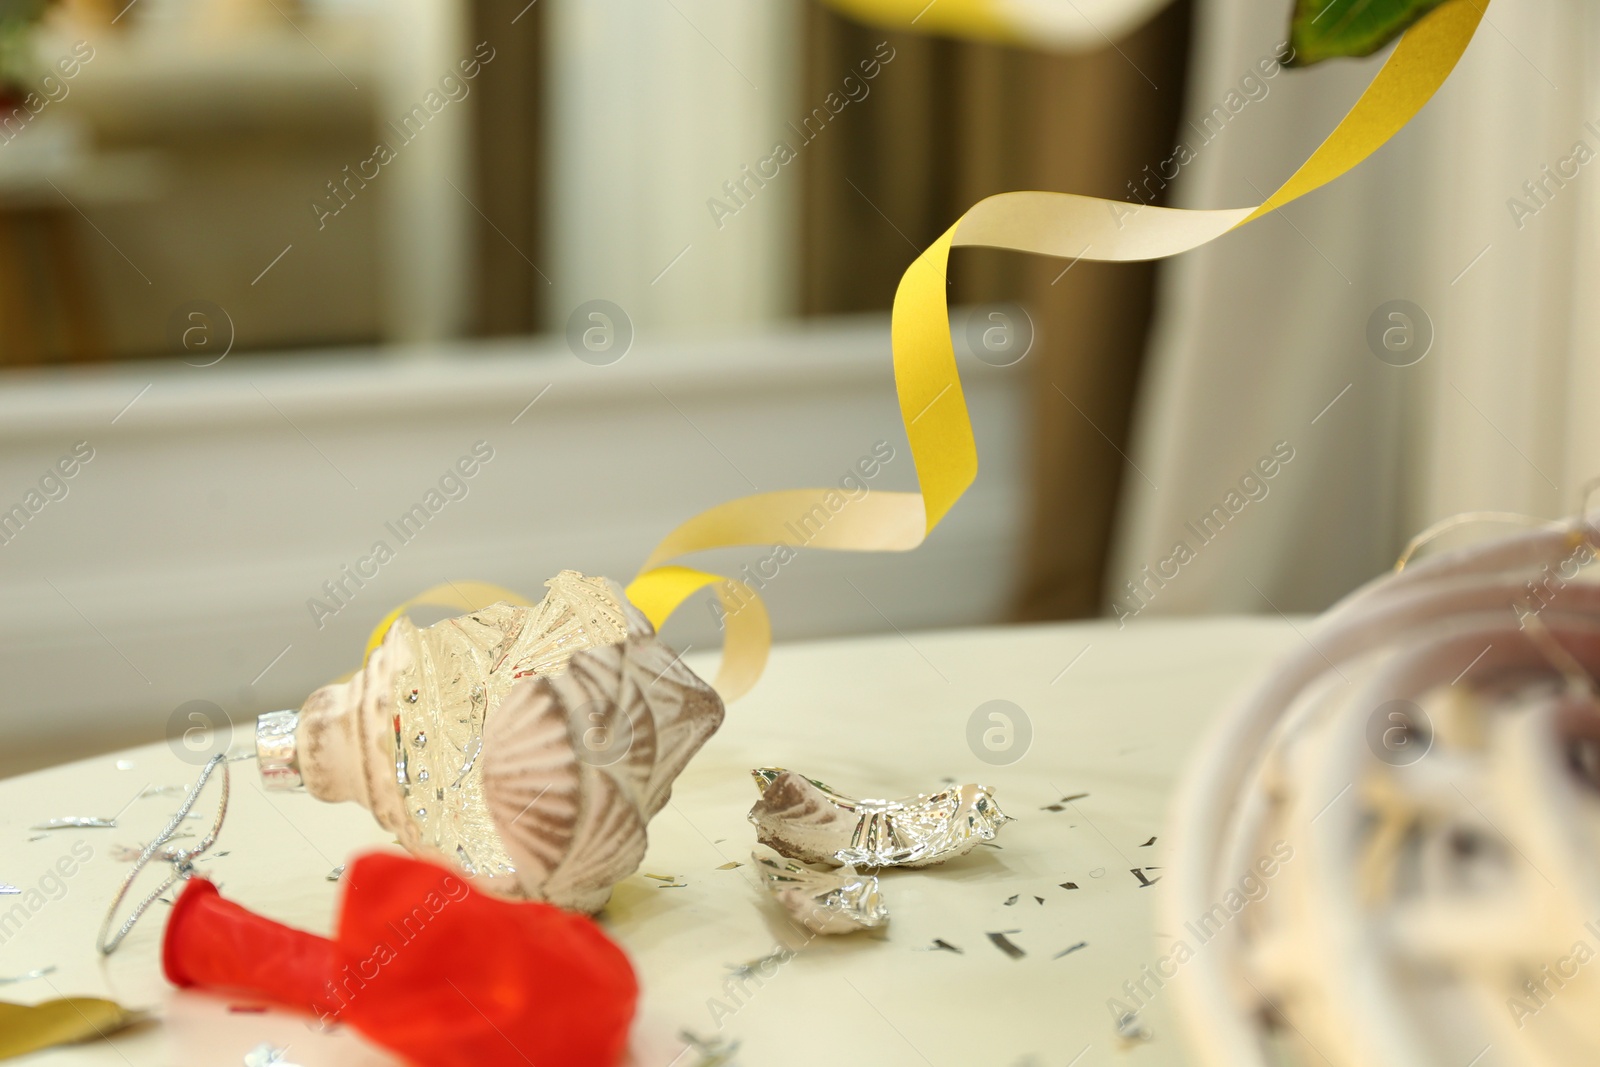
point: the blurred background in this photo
(271, 271)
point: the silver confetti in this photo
(336, 874)
(76, 822)
(30, 976)
(808, 821)
(832, 902)
(124, 764)
(266, 1055)
(7, 889)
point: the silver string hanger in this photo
(182, 860)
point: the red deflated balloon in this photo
(423, 964)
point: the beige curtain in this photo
(509, 178)
(948, 123)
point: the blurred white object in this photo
(1411, 804)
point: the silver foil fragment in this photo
(825, 902)
(1131, 1030)
(76, 822)
(267, 1055)
(807, 820)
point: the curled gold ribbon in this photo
(932, 404)
(744, 647)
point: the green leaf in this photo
(1328, 29)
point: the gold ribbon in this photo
(932, 405)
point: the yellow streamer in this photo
(932, 405)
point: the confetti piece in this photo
(1039, 899)
(6, 889)
(1069, 950)
(771, 959)
(730, 865)
(710, 1052)
(1148, 843)
(76, 822)
(1069, 885)
(673, 885)
(1006, 945)
(266, 1055)
(336, 874)
(1130, 1029)
(660, 877)
(29, 976)
(942, 945)
(1144, 883)
(163, 791)
(38, 837)
(124, 764)
(1098, 872)
(1012, 901)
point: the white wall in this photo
(180, 562)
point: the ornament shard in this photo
(825, 902)
(806, 820)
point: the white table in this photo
(1114, 715)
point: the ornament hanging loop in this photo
(182, 860)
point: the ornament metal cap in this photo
(276, 757)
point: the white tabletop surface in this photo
(1114, 715)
